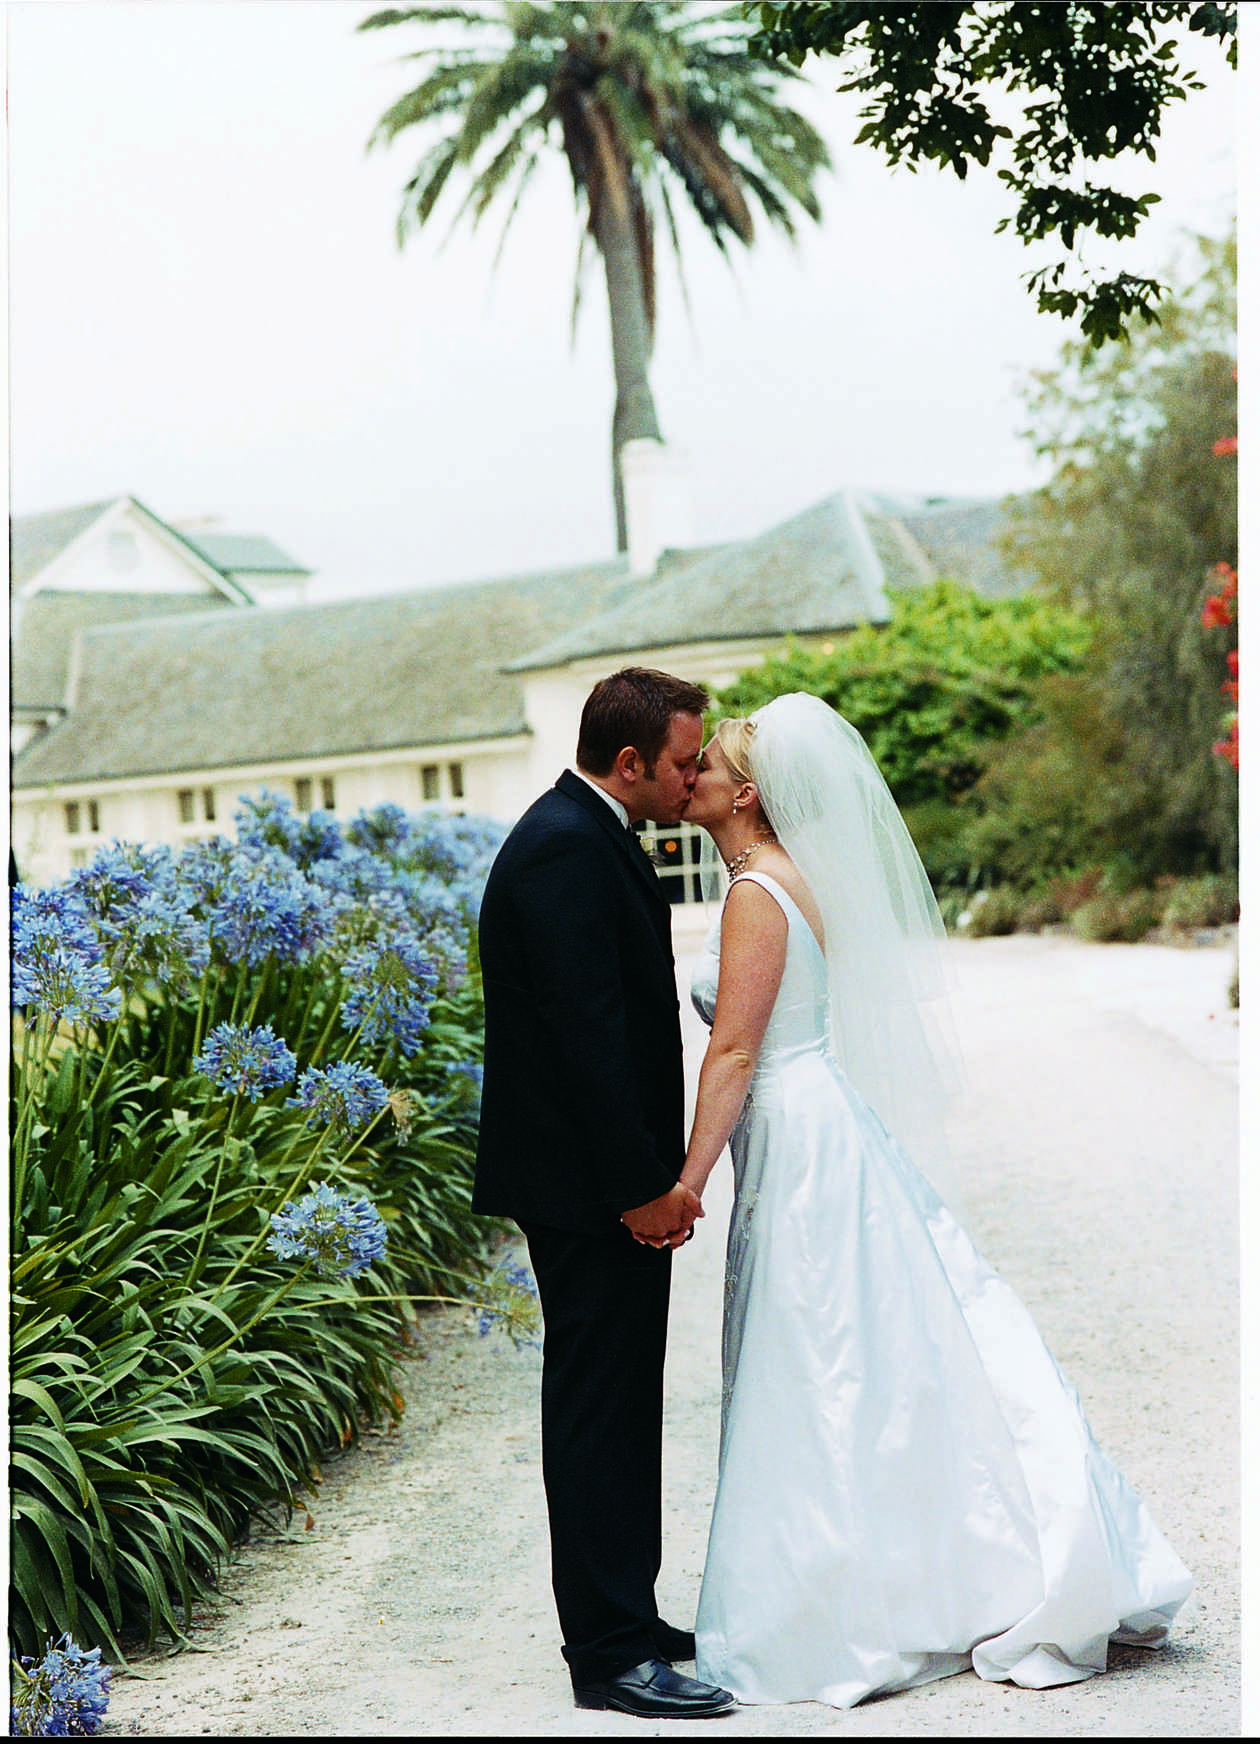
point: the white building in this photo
(151, 689)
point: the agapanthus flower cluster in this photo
(63, 1695)
(468, 1075)
(145, 915)
(385, 829)
(57, 973)
(268, 820)
(248, 1062)
(118, 877)
(342, 1235)
(205, 869)
(508, 1298)
(392, 984)
(266, 908)
(345, 1096)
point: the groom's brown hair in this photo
(633, 707)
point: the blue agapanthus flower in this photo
(385, 829)
(267, 820)
(392, 984)
(267, 908)
(117, 878)
(63, 1695)
(468, 1075)
(55, 916)
(57, 971)
(162, 937)
(509, 1299)
(346, 1096)
(342, 1235)
(249, 1062)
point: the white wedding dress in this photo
(907, 1487)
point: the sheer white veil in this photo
(887, 966)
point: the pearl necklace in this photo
(735, 866)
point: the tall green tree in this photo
(1139, 511)
(648, 100)
(1092, 82)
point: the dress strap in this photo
(773, 888)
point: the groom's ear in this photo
(628, 763)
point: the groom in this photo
(581, 1142)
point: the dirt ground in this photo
(1098, 1141)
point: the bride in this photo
(907, 1487)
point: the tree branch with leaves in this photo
(1094, 82)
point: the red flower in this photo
(1228, 748)
(1225, 445)
(1231, 660)
(1215, 612)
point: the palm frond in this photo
(444, 91)
(499, 92)
(671, 224)
(392, 15)
(422, 191)
(526, 174)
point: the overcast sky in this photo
(209, 311)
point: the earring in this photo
(734, 808)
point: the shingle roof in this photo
(243, 553)
(34, 540)
(961, 538)
(41, 647)
(817, 571)
(256, 685)
(253, 685)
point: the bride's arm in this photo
(754, 945)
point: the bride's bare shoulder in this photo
(777, 863)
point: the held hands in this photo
(667, 1221)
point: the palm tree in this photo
(642, 96)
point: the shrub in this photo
(992, 912)
(1208, 901)
(950, 673)
(203, 1040)
(1111, 918)
(1039, 911)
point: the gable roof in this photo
(45, 619)
(243, 553)
(817, 571)
(34, 540)
(252, 685)
(258, 685)
(41, 647)
(962, 537)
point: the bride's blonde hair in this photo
(734, 736)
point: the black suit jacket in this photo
(582, 1100)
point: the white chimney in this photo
(656, 482)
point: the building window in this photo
(94, 817)
(675, 853)
(430, 781)
(207, 804)
(74, 820)
(302, 792)
(456, 772)
(185, 799)
(327, 793)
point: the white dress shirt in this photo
(616, 804)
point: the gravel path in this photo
(1098, 1137)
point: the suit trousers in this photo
(605, 1307)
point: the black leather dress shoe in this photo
(653, 1692)
(672, 1645)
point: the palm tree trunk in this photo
(634, 411)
